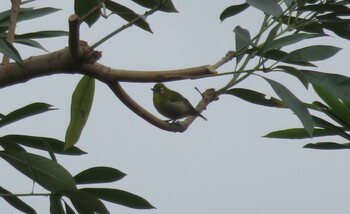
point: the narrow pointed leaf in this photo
(42, 34)
(319, 122)
(49, 174)
(299, 133)
(294, 104)
(69, 210)
(42, 143)
(56, 206)
(82, 99)
(270, 7)
(8, 50)
(16, 202)
(120, 197)
(30, 43)
(167, 5)
(32, 13)
(312, 53)
(98, 175)
(127, 14)
(26, 111)
(327, 146)
(256, 97)
(85, 202)
(295, 72)
(233, 10)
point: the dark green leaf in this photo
(120, 197)
(8, 50)
(127, 14)
(31, 13)
(85, 202)
(16, 202)
(294, 104)
(272, 35)
(295, 72)
(82, 99)
(303, 24)
(82, 7)
(98, 175)
(26, 111)
(42, 34)
(42, 143)
(312, 53)
(242, 40)
(299, 133)
(322, 8)
(319, 122)
(69, 210)
(233, 10)
(49, 174)
(167, 5)
(270, 7)
(327, 146)
(30, 43)
(56, 206)
(255, 97)
(339, 26)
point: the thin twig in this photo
(12, 26)
(228, 57)
(24, 194)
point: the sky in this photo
(222, 165)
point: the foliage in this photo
(285, 23)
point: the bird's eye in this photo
(161, 90)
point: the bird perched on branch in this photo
(171, 104)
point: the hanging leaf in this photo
(167, 5)
(98, 175)
(26, 111)
(233, 10)
(16, 202)
(82, 7)
(299, 133)
(33, 13)
(8, 50)
(85, 202)
(294, 72)
(294, 104)
(48, 173)
(120, 197)
(30, 43)
(312, 53)
(42, 34)
(242, 39)
(327, 146)
(82, 99)
(270, 7)
(127, 14)
(56, 206)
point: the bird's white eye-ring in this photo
(161, 90)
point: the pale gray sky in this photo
(219, 166)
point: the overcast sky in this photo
(222, 165)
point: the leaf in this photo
(42, 34)
(82, 99)
(42, 143)
(312, 53)
(294, 104)
(127, 14)
(233, 10)
(56, 206)
(98, 175)
(295, 72)
(256, 97)
(337, 85)
(85, 202)
(82, 7)
(30, 13)
(272, 35)
(270, 7)
(242, 39)
(167, 5)
(26, 111)
(327, 146)
(289, 40)
(299, 133)
(16, 202)
(49, 174)
(8, 50)
(319, 122)
(69, 210)
(120, 197)
(30, 43)
(322, 8)
(305, 25)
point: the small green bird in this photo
(171, 104)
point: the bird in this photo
(172, 104)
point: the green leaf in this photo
(30, 13)
(16, 202)
(26, 111)
(42, 143)
(319, 122)
(30, 43)
(327, 146)
(272, 35)
(270, 7)
(82, 99)
(127, 14)
(120, 197)
(56, 206)
(255, 97)
(299, 133)
(42, 34)
(8, 50)
(305, 25)
(85, 202)
(295, 72)
(167, 5)
(98, 175)
(69, 210)
(312, 53)
(82, 7)
(233, 10)
(294, 104)
(49, 174)
(242, 40)
(323, 8)
(289, 40)
(337, 85)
